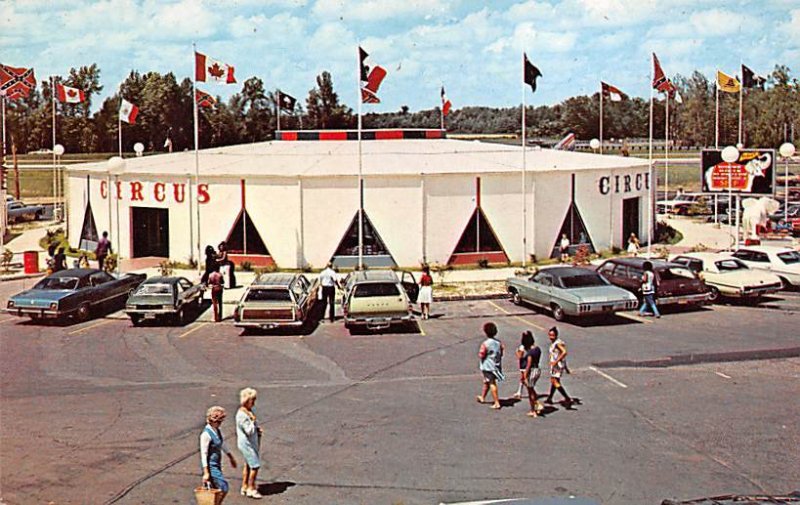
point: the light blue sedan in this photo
(570, 291)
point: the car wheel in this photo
(713, 294)
(83, 312)
(515, 298)
(558, 312)
(136, 319)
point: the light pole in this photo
(730, 155)
(116, 167)
(58, 211)
(787, 151)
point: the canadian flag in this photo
(128, 112)
(210, 70)
(65, 94)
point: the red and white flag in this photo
(371, 79)
(660, 81)
(128, 112)
(66, 94)
(445, 103)
(612, 92)
(203, 99)
(16, 82)
(207, 69)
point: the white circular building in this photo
(295, 202)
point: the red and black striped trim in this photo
(365, 134)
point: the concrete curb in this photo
(696, 359)
(15, 277)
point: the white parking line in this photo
(95, 325)
(192, 330)
(517, 317)
(606, 376)
(633, 317)
(723, 375)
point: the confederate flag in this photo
(16, 82)
(370, 79)
(445, 103)
(204, 99)
(209, 69)
(660, 81)
(65, 94)
(612, 92)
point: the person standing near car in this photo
(425, 296)
(327, 279)
(59, 260)
(558, 365)
(102, 250)
(649, 291)
(215, 281)
(212, 445)
(223, 260)
(491, 356)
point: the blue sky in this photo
(472, 47)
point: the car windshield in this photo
(154, 289)
(57, 283)
(268, 295)
(376, 289)
(789, 257)
(730, 265)
(583, 281)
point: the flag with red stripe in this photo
(612, 92)
(660, 81)
(207, 69)
(371, 79)
(445, 103)
(16, 82)
(203, 99)
(128, 112)
(67, 94)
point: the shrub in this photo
(441, 271)
(246, 266)
(483, 263)
(110, 263)
(166, 267)
(6, 258)
(666, 234)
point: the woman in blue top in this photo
(212, 446)
(491, 356)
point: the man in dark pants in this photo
(327, 279)
(102, 250)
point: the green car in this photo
(570, 291)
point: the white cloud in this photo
(377, 10)
(718, 22)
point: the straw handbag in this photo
(204, 495)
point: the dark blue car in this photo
(73, 293)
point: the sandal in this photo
(479, 399)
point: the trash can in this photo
(30, 260)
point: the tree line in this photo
(249, 115)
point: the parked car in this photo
(675, 284)
(378, 299)
(793, 213)
(782, 261)
(73, 293)
(19, 211)
(570, 291)
(681, 205)
(730, 277)
(164, 298)
(276, 300)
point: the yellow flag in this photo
(727, 83)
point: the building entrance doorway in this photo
(630, 220)
(150, 229)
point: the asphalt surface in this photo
(101, 412)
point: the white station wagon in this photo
(730, 277)
(781, 261)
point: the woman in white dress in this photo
(248, 438)
(633, 245)
(425, 296)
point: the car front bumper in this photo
(36, 312)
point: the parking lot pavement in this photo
(391, 418)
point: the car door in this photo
(102, 288)
(188, 292)
(540, 289)
(410, 285)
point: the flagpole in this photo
(55, 176)
(278, 108)
(196, 152)
(4, 129)
(119, 127)
(601, 117)
(741, 101)
(716, 115)
(441, 112)
(524, 168)
(360, 168)
(666, 149)
(650, 179)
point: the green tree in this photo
(323, 110)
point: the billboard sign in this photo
(752, 173)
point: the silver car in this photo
(570, 291)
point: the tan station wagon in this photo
(276, 300)
(378, 299)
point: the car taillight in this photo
(410, 308)
(10, 304)
(236, 314)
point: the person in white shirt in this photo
(212, 445)
(564, 248)
(649, 291)
(327, 279)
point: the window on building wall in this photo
(575, 230)
(373, 244)
(244, 237)
(89, 235)
(478, 236)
